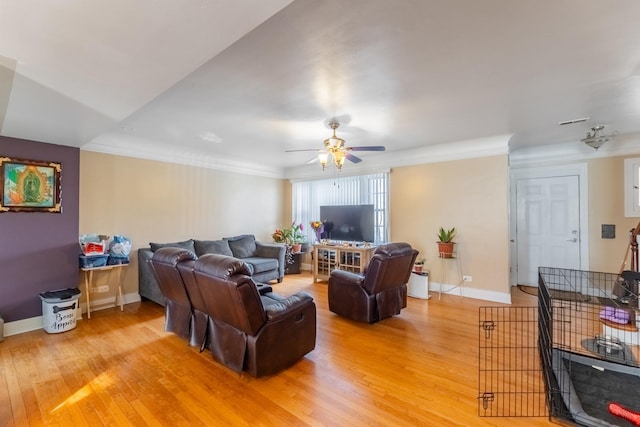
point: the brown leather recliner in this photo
(378, 293)
(200, 318)
(247, 331)
(178, 309)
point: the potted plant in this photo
(292, 237)
(297, 238)
(445, 242)
(418, 264)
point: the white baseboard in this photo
(108, 302)
(474, 293)
(35, 323)
(22, 326)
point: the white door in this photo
(547, 225)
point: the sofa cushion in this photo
(243, 246)
(260, 265)
(187, 244)
(220, 247)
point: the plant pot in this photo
(417, 268)
(296, 248)
(445, 250)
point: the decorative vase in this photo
(445, 249)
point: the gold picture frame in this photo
(30, 186)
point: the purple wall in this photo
(39, 251)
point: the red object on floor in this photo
(622, 412)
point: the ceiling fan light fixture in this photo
(595, 139)
(334, 143)
(338, 158)
(323, 156)
(339, 152)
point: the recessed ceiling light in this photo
(570, 122)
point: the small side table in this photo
(443, 273)
(88, 281)
(294, 267)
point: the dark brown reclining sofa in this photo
(214, 303)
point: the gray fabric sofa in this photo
(266, 261)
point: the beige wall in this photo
(154, 201)
(470, 195)
(150, 201)
(606, 206)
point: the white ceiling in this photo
(240, 82)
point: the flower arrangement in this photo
(296, 233)
(279, 236)
(318, 228)
(289, 235)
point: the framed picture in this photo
(30, 186)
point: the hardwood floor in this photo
(121, 368)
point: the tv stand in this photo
(327, 258)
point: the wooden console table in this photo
(327, 258)
(88, 281)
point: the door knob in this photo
(573, 240)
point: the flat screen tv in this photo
(354, 223)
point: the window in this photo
(631, 186)
(373, 189)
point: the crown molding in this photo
(376, 162)
(132, 146)
(574, 151)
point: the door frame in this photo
(577, 169)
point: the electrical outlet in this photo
(104, 288)
(467, 278)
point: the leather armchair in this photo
(199, 318)
(247, 331)
(178, 311)
(378, 293)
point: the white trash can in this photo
(59, 309)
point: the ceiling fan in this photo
(335, 148)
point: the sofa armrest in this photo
(272, 250)
(288, 305)
(147, 284)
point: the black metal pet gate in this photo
(574, 357)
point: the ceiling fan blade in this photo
(312, 161)
(352, 158)
(368, 148)
(305, 149)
